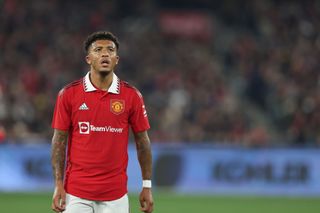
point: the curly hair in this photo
(100, 35)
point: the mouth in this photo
(105, 62)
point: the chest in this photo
(101, 108)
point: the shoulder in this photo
(71, 86)
(129, 88)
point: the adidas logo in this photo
(83, 107)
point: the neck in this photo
(101, 80)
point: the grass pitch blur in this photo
(172, 203)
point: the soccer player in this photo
(91, 128)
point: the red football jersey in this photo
(98, 125)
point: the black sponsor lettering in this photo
(38, 167)
(240, 171)
(168, 170)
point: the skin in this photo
(101, 74)
(145, 160)
(58, 153)
(102, 58)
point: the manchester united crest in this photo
(117, 106)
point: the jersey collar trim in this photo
(114, 88)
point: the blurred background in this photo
(232, 90)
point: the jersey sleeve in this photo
(138, 117)
(62, 112)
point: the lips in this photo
(105, 62)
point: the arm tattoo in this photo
(58, 153)
(144, 154)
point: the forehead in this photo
(103, 43)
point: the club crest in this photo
(117, 106)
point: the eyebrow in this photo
(100, 45)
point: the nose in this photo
(105, 53)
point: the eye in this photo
(111, 49)
(98, 49)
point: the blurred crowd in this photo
(254, 80)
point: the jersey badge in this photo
(117, 106)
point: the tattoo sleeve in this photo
(58, 154)
(144, 154)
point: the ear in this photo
(117, 59)
(88, 60)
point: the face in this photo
(102, 56)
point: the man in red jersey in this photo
(92, 117)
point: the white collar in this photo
(114, 88)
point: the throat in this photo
(104, 75)
(102, 81)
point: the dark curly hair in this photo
(100, 35)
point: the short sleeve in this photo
(138, 117)
(62, 112)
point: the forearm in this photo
(145, 160)
(144, 154)
(58, 153)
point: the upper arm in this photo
(138, 117)
(62, 111)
